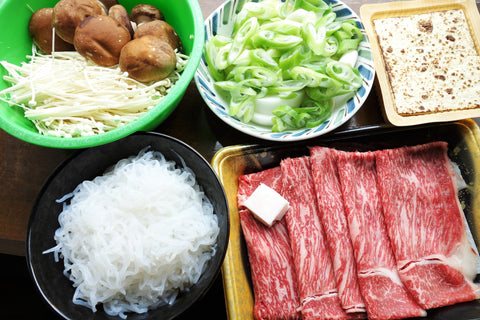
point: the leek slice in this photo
(309, 115)
(244, 34)
(270, 39)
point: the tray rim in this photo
(235, 278)
(370, 12)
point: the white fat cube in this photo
(267, 205)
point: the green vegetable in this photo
(246, 31)
(282, 49)
(311, 114)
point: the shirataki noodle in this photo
(137, 236)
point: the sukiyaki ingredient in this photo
(431, 61)
(383, 292)
(161, 30)
(103, 48)
(399, 208)
(41, 31)
(147, 58)
(267, 205)
(67, 15)
(137, 236)
(142, 13)
(316, 282)
(120, 13)
(108, 4)
(426, 225)
(271, 263)
(334, 222)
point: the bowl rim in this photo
(217, 262)
(160, 110)
(290, 135)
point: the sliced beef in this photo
(426, 224)
(334, 221)
(384, 294)
(317, 287)
(271, 263)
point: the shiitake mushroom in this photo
(104, 37)
(147, 58)
(67, 15)
(102, 47)
(161, 30)
(41, 31)
(142, 13)
(120, 13)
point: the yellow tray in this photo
(231, 162)
(370, 12)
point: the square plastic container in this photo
(370, 12)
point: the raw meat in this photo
(317, 287)
(334, 221)
(384, 294)
(426, 224)
(269, 253)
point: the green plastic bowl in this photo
(15, 44)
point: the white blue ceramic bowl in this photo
(221, 22)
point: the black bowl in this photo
(87, 164)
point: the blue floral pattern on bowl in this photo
(221, 22)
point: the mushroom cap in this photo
(108, 3)
(67, 15)
(142, 13)
(101, 39)
(119, 13)
(147, 59)
(41, 31)
(161, 30)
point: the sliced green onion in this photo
(319, 112)
(344, 73)
(221, 60)
(333, 27)
(235, 88)
(351, 28)
(330, 46)
(246, 31)
(256, 74)
(288, 86)
(327, 19)
(311, 114)
(242, 108)
(314, 37)
(347, 45)
(312, 77)
(270, 39)
(302, 16)
(327, 92)
(263, 58)
(317, 6)
(286, 27)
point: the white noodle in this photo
(65, 95)
(136, 236)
